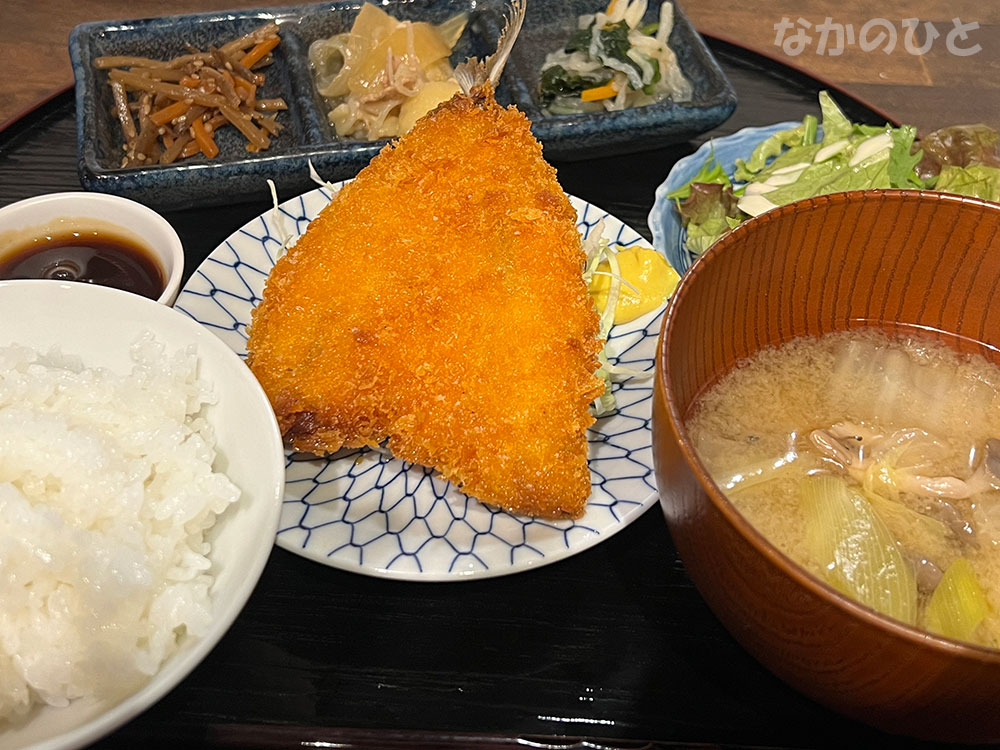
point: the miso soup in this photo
(874, 462)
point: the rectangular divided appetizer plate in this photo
(236, 174)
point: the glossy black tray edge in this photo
(287, 737)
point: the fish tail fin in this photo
(475, 72)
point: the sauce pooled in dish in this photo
(90, 256)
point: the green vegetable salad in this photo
(797, 163)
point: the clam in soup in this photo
(874, 462)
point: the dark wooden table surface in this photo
(614, 643)
(928, 90)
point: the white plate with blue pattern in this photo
(363, 511)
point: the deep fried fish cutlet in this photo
(438, 302)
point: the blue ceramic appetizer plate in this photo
(306, 134)
(664, 220)
(367, 512)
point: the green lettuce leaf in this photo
(708, 213)
(835, 123)
(902, 162)
(773, 146)
(868, 131)
(711, 172)
(794, 155)
(832, 176)
(978, 180)
(836, 127)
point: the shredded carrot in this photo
(599, 92)
(611, 7)
(204, 139)
(181, 103)
(168, 113)
(170, 154)
(259, 50)
(250, 95)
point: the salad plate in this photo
(365, 511)
(730, 179)
(664, 220)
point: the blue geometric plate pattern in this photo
(367, 512)
(664, 221)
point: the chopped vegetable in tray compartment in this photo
(612, 62)
(797, 163)
(384, 74)
(172, 109)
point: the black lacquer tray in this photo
(612, 648)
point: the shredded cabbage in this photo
(598, 249)
(279, 224)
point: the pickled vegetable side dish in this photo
(383, 75)
(613, 61)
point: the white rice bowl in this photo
(100, 326)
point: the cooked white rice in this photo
(106, 494)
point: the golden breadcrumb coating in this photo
(438, 302)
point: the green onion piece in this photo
(958, 604)
(855, 549)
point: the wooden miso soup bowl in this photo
(826, 264)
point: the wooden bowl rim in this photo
(817, 587)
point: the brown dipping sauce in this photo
(92, 257)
